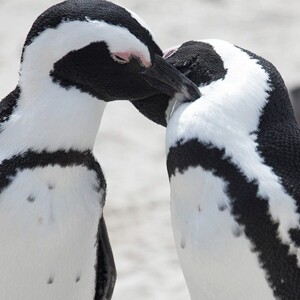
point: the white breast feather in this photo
(52, 236)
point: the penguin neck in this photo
(49, 117)
(228, 109)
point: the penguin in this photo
(78, 55)
(233, 160)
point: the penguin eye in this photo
(121, 59)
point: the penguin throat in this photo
(174, 103)
(52, 118)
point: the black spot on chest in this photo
(31, 198)
(50, 280)
(51, 186)
(222, 207)
(237, 231)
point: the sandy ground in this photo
(131, 149)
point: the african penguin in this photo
(78, 55)
(233, 159)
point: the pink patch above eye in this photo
(124, 57)
(169, 52)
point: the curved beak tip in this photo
(190, 93)
(166, 79)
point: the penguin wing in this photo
(278, 134)
(105, 269)
(8, 104)
(280, 149)
(105, 266)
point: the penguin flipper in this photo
(105, 269)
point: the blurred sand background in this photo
(131, 148)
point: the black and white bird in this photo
(78, 55)
(233, 159)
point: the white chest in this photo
(215, 255)
(49, 220)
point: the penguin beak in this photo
(168, 80)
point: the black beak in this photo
(168, 80)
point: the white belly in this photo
(48, 226)
(214, 253)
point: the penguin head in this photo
(101, 49)
(224, 71)
(196, 60)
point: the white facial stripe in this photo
(225, 116)
(53, 44)
(140, 21)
